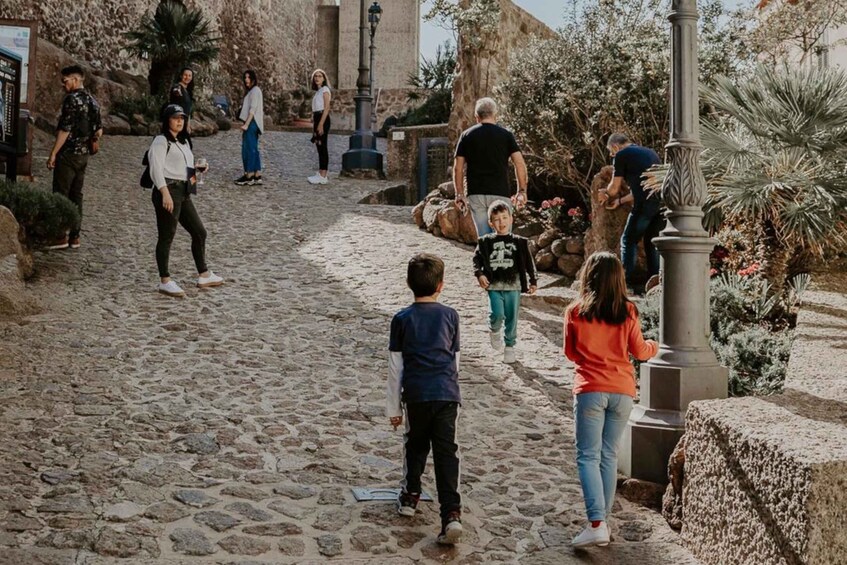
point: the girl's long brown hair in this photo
(602, 290)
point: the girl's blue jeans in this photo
(250, 149)
(504, 305)
(601, 418)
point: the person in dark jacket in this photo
(182, 94)
(504, 267)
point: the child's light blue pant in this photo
(504, 306)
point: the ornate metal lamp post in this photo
(374, 15)
(362, 157)
(686, 368)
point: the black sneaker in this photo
(256, 180)
(451, 529)
(244, 180)
(407, 503)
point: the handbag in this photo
(147, 180)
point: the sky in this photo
(548, 11)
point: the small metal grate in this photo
(433, 164)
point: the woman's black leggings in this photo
(184, 214)
(321, 141)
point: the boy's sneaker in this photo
(592, 536)
(256, 180)
(73, 243)
(243, 180)
(170, 288)
(407, 503)
(451, 530)
(496, 339)
(59, 244)
(509, 355)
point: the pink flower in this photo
(558, 201)
(545, 204)
(573, 212)
(713, 272)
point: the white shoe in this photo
(211, 280)
(323, 180)
(496, 338)
(509, 355)
(592, 536)
(314, 179)
(171, 289)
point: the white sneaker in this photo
(496, 339)
(592, 536)
(509, 355)
(171, 289)
(314, 179)
(323, 180)
(211, 280)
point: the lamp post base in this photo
(362, 155)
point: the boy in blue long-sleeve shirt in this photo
(423, 379)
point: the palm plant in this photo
(172, 37)
(776, 162)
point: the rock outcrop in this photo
(16, 264)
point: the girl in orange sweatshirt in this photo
(601, 331)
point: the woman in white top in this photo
(172, 171)
(321, 124)
(253, 116)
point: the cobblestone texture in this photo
(266, 394)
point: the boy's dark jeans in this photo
(68, 178)
(184, 214)
(433, 423)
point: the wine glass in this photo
(202, 165)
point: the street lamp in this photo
(685, 368)
(374, 15)
(362, 159)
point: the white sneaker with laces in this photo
(496, 337)
(171, 289)
(211, 280)
(509, 355)
(322, 180)
(314, 179)
(592, 536)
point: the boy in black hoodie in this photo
(504, 267)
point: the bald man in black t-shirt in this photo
(483, 152)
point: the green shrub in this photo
(44, 216)
(751, 329)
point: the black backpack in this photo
(146, 179)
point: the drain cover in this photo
(368, 494)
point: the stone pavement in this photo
(229, 427)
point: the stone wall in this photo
(392, 102)
(328, 42)
(271, 36)
(397, 43)
(480, 70)
(402, 158)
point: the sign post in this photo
(19, 37)
(10, 88)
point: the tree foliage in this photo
(436, 81)
(607, 71)
(795, 30)
(776, 162)
(172, 37)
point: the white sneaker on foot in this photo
(592, 536)
(314, 179)
(171, 289)
(496, 338)
(323, 180)
(509, 355)
(211, 280)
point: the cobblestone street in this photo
(230, 426)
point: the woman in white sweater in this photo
(172, 171)
(253, 116)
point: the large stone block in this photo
(766, 481)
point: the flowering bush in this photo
(570, 220)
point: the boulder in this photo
(529, 227)
(417, 214)
(559, 247)
(51, 59)
(672, 499)
(575, 245)
(224, 123)
(115, 125)
(545, 261)
(15, 265)
(569, 265)
(643, 493)
(203, 127)
(11, 243)
(447, 190)
(455, 225)
(548, 237)
(430, 213)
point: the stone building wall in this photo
(479, 71)
(397, 43)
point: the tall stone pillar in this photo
(686, 368)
